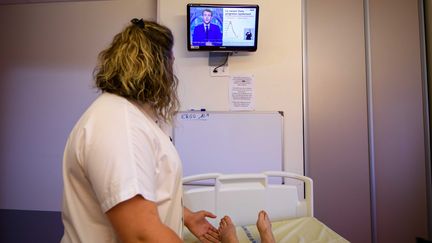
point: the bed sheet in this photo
(296, 230)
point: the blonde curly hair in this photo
(138, 65)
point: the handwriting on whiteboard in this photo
(195, 116)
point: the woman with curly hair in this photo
(122, 174)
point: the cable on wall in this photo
(215, 70)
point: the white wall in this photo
(48, 52)
(276, 66)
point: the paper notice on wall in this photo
(242, 93)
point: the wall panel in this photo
(398, 120)
(336, 116)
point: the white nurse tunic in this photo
(115, 152)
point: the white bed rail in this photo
(200, 177)
(242, 196)
(308, 187)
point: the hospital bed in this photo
(286, 197)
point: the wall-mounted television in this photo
(222, 27)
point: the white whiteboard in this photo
(229, 142)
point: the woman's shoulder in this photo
(110, 99)
(107, 108)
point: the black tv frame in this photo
(221, 48)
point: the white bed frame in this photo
(242, 196)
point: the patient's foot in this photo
(227, 231)
(264, 227)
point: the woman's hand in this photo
(198, 225)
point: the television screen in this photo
(222, 27)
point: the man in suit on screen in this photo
(207, 34)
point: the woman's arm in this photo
(137, 220)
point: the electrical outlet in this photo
(219, 72)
